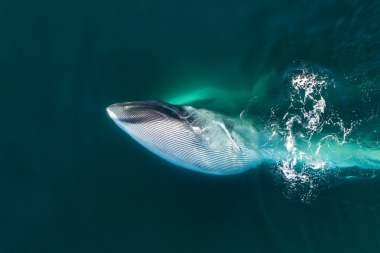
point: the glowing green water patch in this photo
(198, 91)
(202, 94)
(223, 100)
(230, 100)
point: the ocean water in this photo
(71, 181)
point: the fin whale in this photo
(194, 139)
(204, 141)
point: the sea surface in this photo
(72, 181)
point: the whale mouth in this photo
(144, 111)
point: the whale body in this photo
(198, 140)
(204, 141)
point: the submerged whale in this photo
(204, 141)
(198, 140)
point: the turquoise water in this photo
(72, 182)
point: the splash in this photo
(315, 138)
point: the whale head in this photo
(190, 138)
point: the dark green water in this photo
(71, 181)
